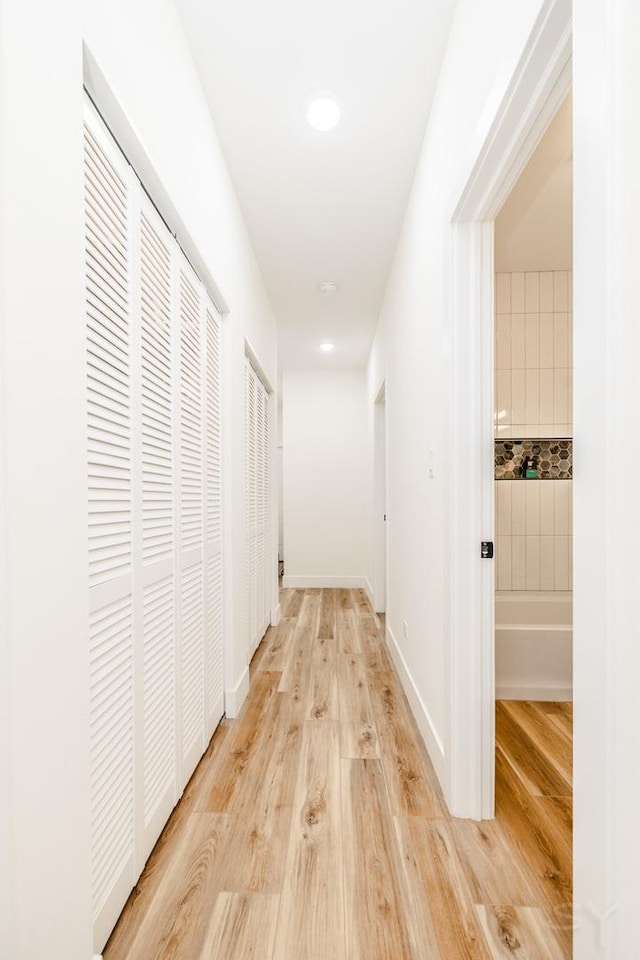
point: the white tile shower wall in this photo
(534, 534)
(533, 355)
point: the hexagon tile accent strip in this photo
(553, 459)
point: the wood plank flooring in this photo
(314, 827)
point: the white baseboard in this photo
(430, 735)
(276, 614)
(368, 589)
(302, 583)
(505, 691)
(234, 698)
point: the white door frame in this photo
(381, 574)
(532, 96)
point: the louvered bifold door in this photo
(154, 553)
(260, 497)
(111, 691)
(265, 440)
(191, 521)
(214, 692)
(251, 507)
(257, 507)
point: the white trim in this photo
(541, 692)
(540, 80)
(303, 583)
(235, 697)
(469, 782)
(252, 357)
(276, 615)
(368, 589)
(539, 84)
(432, 739)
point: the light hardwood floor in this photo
(314, 827)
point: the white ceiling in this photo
(320, 206)
(534, 229)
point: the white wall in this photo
(325, 480)
(44, 601)
(164, 123)
(606, 503)
(6, 848)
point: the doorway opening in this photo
(533, 421)
(380, 501)
(533, 480)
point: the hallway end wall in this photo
(325, 485)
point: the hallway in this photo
(314, 826)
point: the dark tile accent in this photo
(553, 458)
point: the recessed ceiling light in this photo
(327, 287)
(327, 347)
(324, 113)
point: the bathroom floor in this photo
(534, 747)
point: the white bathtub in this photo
(534, 645)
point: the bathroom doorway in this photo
(533, 423)
(533, 481)
(525, 109)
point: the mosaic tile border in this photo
(553, 459)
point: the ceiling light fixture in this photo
(327, 287)
(327, 347)
(323, 113)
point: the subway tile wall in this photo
(533, 400)
(534, 541)
(534, 355)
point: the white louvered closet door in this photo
(261, 557)
(155, 521)
(190, 592)
(258, 507)
(250, 506)
(154, 552)
(265, 440)
(214, 693)
(111, 691)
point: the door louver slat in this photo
(109, 438)
(190, 418)
(159, 693)
(157, 399)
(192, 658)
(111, 686)
(257, 494)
